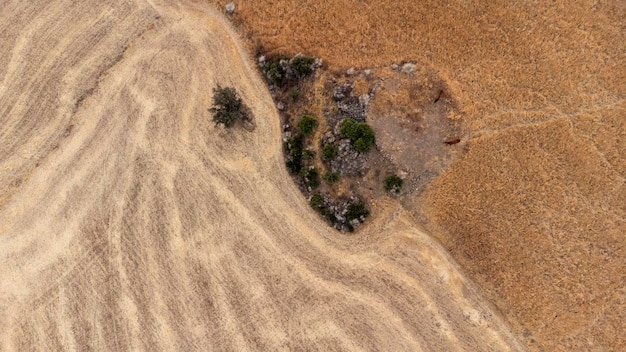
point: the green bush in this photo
(356, 210)
(361, 134)
(329, 151)
(227, 106)
(274, 72)
(307, 125)
(293, 153)
(331, 177)
(308, 154)
(317, 202)
(311, 177)
(328, 214)
(393, 184)
(302, 65)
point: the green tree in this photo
(311, 177)
(227, 106)
(274, 72)
(357, 210)
(360, 133)
(317, 202)
(329, 151)
(331, 177)
(307, 125)
(393, 184)
(293, 153)
(303, 65)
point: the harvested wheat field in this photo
(534, 205)
(128, 222)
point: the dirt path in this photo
(128, 222)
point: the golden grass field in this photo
(128, 222)
(534, 210)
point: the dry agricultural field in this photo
(128, 221)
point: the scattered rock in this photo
(409, 68)
(343, 91)
(394, 67)
(367, 73)
(230, 8)
(280, 106)
(350, 71)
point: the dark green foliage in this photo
(294, 94)
(274, 72)
(227, 106)
(308, 154)
(329, 152)
(307, 125)
(356, 210)
(302, 65)
(317, 202)
(328, 214)
(293, 153)
(331, 177)
(361, 134)
(311, 177)
(393, 184)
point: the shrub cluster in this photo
(303, 65)
(293, 153)
(274, 72)
(282, 72)
(227, 106)
(357, 210)
(307, 125)
(329, 151)
(331, 177)
(310, 176)
(360, 133)
(393, 184)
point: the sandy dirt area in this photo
(129, 222)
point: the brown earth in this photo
(534, 208)
(129, 222)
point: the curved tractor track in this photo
(128, 222)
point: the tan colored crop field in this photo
(128, 222)
(535, 208)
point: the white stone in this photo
(230, 8)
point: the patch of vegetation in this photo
(307, 125)
(331, 177)
(302, 65)
(317, 202)
(329, 151)
(311, 177)
(294, 94)
(328, 215)
(274, 72)
(393, 184)
(360, 133)
(227, 106)
(293, 153)
(308, 154)
(357, 210)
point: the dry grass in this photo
(535, 209)
(130, 223)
